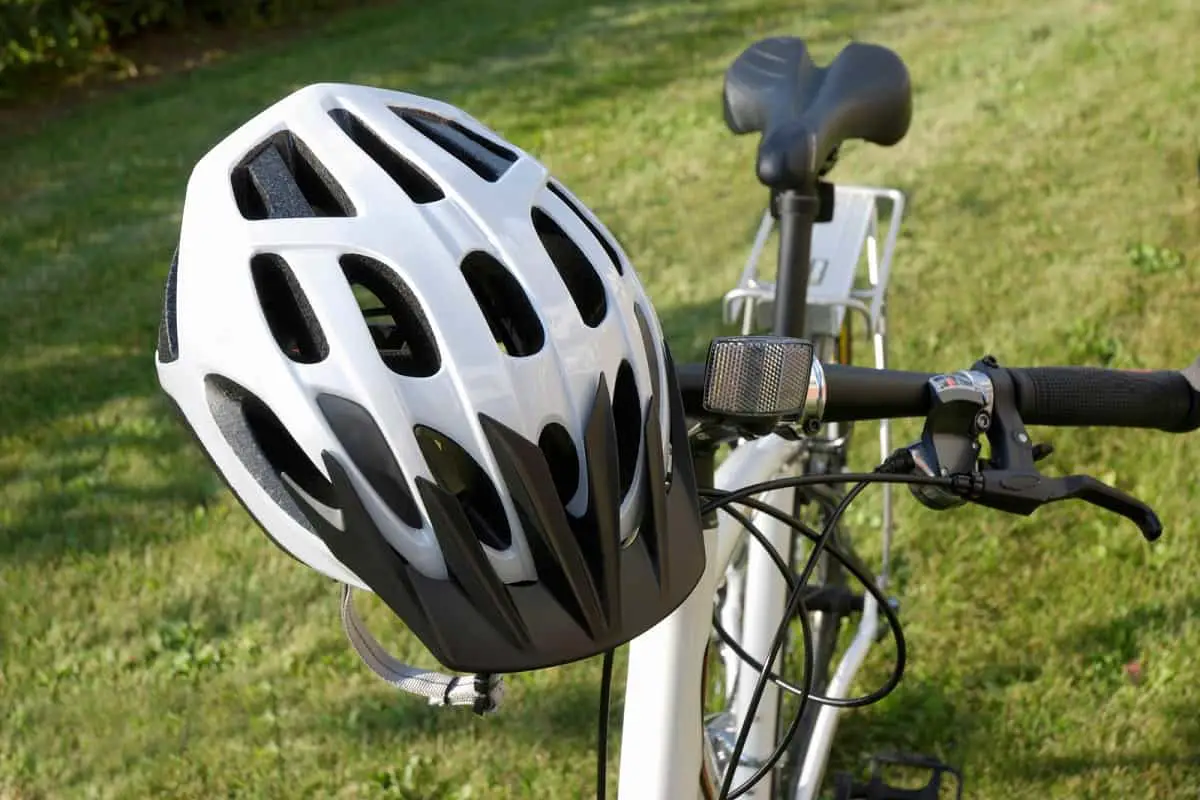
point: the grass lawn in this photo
(153, 643)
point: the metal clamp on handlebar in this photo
(983, 400)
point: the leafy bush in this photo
(38, 32)
(37, 35)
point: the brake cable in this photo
(796, 602)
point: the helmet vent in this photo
(456, 472)
(358, 433)
(398, 326)
(651, 352)
(415, 183)
(505, 306)
(168, 327)
(267, 449)
(486, 158)
(577, 272)
(562, 458)
(604, 240)
(627, 416)
(289, 316)
(282, 179)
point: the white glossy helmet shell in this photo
(398, 190)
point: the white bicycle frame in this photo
(663, 740)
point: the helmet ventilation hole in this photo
(505, 306)
(168, 327)
(288, 314)
(486, 158)
(577, 272)
(282, 179)
(562, 458)
(456, 472)
(600, 237)
(415, 183)
(393, 315)
(627, 416)
(651, 352)
(266, 448)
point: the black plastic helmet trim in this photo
(358, 433)
(601, 534)
(362, 548)
(468, 564)
(656, 535)
(561, 565)
(582, 603)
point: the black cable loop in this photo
(794, 602)
(872, 589)
(731, 495)
(743, 496)
(806, 634)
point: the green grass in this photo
(153, 643)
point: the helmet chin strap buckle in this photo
(482, 692)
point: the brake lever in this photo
(1024, 492)
(983, 400)
(1015, 485)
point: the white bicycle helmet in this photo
(427, 370)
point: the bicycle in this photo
(785, 403)
(745, 392)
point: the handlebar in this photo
(959, 408)
(1166, 400)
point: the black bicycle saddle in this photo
(804, 111)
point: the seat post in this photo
(797, 212)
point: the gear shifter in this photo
(982, 400)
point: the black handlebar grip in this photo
(864, 393)
(1163, 400)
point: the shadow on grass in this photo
(118, 482)
(1115, 642)
(922, 717)
(919, 717)
(558, 716)
(1051, 768)
(530, 62)
(1106, 648)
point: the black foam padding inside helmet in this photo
(486, 158)
(168, 326)
(283, 179)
